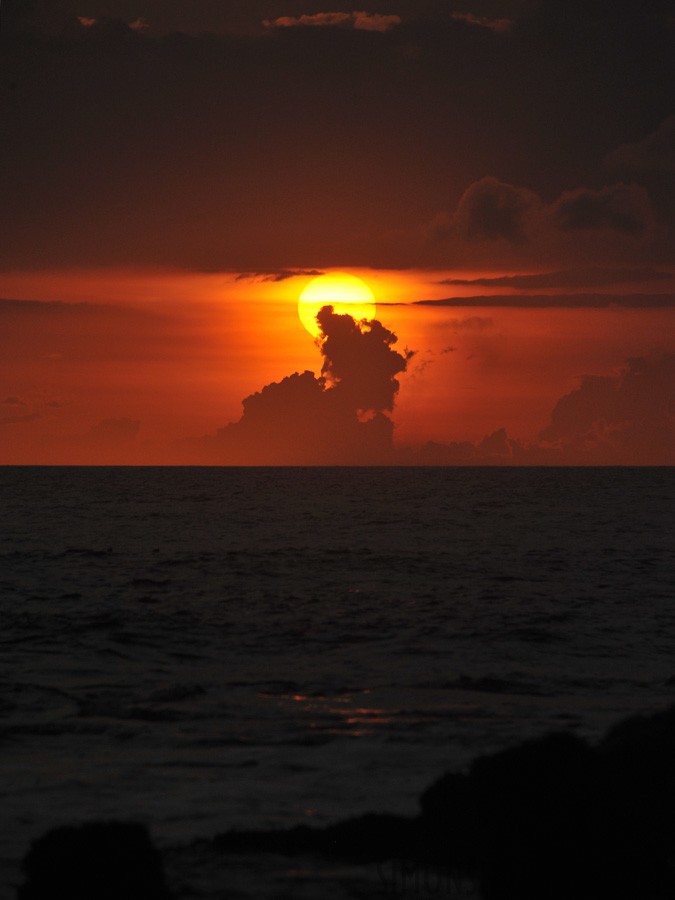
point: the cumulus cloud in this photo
(495, 449)
(622, 208)
(362, 21)
(614, 224)
(500, 26)
(490, 210)
(627, 418)
(360, 363)
(622, 419)
(337, 418)
(655, 153)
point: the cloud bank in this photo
(411, 134)
(339, 418)
(576, 277)
(624, 419)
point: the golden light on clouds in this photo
(345, 293)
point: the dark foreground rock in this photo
(553, 817)
(102, 860)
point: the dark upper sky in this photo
(188, 132)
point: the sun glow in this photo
(345, 293)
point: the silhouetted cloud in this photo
(548, 301)
(360, 20)
(489, 210)
(624, 208)
(360, 363)
(655, 153)
(494, 449)
(501, 26)
(629, 417)
(250, 123)
(338, 418)
(578, 277)
(624, 419)
(282, 275)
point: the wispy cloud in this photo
(362, 21)
(570, 301)
(280, 275)
(500, 26)
(577, 277)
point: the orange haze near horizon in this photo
(177, 352)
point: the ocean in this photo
(204, 649)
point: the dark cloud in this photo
(495, 449)
(213, 16)
(504, 225)
(570, 301)
(359, 363)
(623, 208)
(12, 401)
(490, 210)
(627, 418)
(624, 419)
(209, 142)
(655, 153)
(338, 418)
(578, 277)
(282, 275)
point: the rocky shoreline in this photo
(552, 817)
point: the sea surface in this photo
(201, 649)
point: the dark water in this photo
(202, 649)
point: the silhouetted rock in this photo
(638, 759)
(102, 860)
(447, 823)
(552, 817)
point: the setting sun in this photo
(345, 293)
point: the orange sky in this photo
(178, 352)
(173, 172)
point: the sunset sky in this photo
(501, 176)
